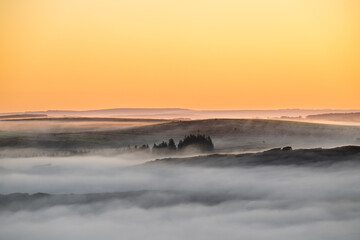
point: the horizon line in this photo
(183, 109)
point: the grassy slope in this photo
(226, 133)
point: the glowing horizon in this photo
(259, 54)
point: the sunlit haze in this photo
(199, 54)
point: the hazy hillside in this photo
(227, 135)
(337, 117)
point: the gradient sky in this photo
(201, 54)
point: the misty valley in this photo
(107, 178)
(179, 120)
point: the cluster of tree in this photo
(202, 142)
(164, 146)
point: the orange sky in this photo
(201, 54)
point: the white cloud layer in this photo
(255, 203)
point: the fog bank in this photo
(164, 202)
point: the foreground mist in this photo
(177, 202)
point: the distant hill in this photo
(22, 116)
(171, 113)
(337, 117)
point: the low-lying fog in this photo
(251, 203)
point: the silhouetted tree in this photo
(201, 142)
(171, 145)
(162, 147)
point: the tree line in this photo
(200, 142)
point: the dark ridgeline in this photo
(286, 156)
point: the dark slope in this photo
(274, 157)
